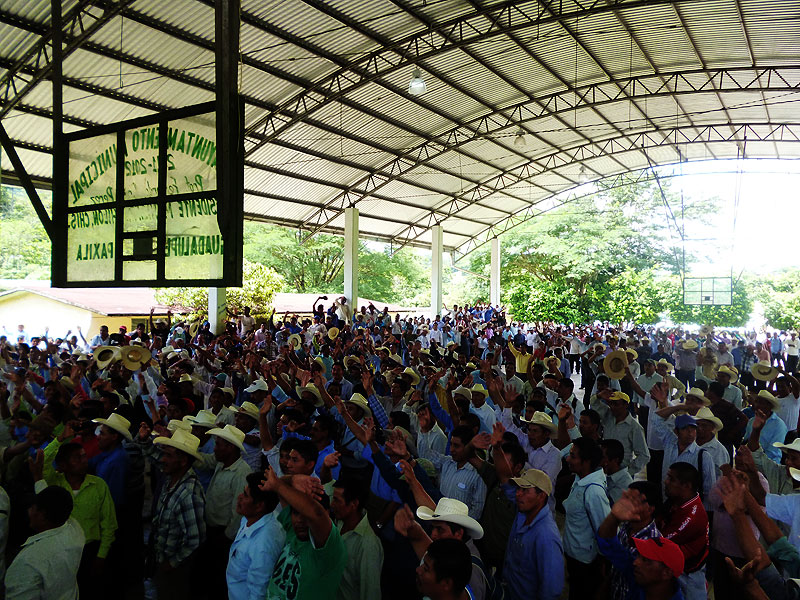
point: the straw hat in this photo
(620, 396)
(548, 359)
(705, 414)
(181, 440)
(699, 394)
(730, 372)
(133, 357)
(229, 391)
(534, 478)
(105, 355)
(614, 364)
(480, 389)
(249, 409)
(193, 328)
(294, 341)
(118, 423)
(706, 329)
(413, 374)
(312, 389)
(231, 434)
(452, 511)
(333, 333)
(633, 353)
(794, 446)
(350, 359)
(204, 418)
(542, 420)
(176, 424)
(463, 391)
(689, 345)
(361, 403)
(763, 371)
(765, 395)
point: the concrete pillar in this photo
(217, 313)
(436, 270)
(494, 278)
(351, 257)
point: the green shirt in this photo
(775, 474)
(362, 576)
(304, 572)
(92, 507)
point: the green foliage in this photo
(260, 285)
(735, 315)
(24, 245)
(780, 294)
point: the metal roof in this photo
(599, 88)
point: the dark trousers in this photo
(654, 467)
(575, 362)
(208, 579)
(685, 376)
(175, 584)
(791, 364)
(89, 584)
(584, 579)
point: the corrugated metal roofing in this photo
(598, 88)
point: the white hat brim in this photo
(468, 523)
(126, 433)
(165, 441)
(225, 435)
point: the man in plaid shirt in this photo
(178, 521)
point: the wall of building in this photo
(37, 313)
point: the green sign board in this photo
(142, 205)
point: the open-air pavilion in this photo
(433, 123)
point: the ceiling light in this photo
(520, 141)
(583, 176)
(417, 87)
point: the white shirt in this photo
(789, 411)
(792, 346)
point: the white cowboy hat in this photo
(689, 345)
(294, 341)
(794, 446)
(542, 420)
(105, 355)
(730, 372)
(350, 359)
(133, 357)
(696, 392)
(548, 359)
(175, 424)
(249, 409)
(479, 388)
(765, 395)
(463, 391)
(118, 423)
(763, 371)
(181, 440)
(453, 511)
(705, 414)
(333, 333)
(361, 403)
(204, 418)
(231, 434)
(312, 389)
(663, 362)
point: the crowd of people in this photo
(356, 455)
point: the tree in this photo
(24, 245)
(260, 285)
(737, 314)
(780, 294)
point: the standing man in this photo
(47, 564)
(792, 347)
(586, 507)
(179, 518)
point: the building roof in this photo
(526, 101)
(138, 301)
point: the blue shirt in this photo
(112, 467)
(252, 557)
(622, 559)
(534, 564)
(586, 507)
(774, 431)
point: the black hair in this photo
(568, 383)
(55, 503)
(307, 449)
(66, 451)
(702, 384)
(518, 455)
(269, 498)
(451, 560)
(650, 490)
(353, 488)
(687, 474)
(400, 419)
(472, 421)
(329, 425)
(588, 449)
(716, 388)
(463, 433)
(592, 415)
(614, 449)
(603, 379)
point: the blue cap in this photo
(685, 421)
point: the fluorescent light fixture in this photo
(417, 87)
(583, 176)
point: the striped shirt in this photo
(463, 484)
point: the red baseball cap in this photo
(662, 550)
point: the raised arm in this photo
(304, 502)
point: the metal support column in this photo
(494, 279)
(436, 270)
(217, 309)
(351, 257)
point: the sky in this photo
(764, 237)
